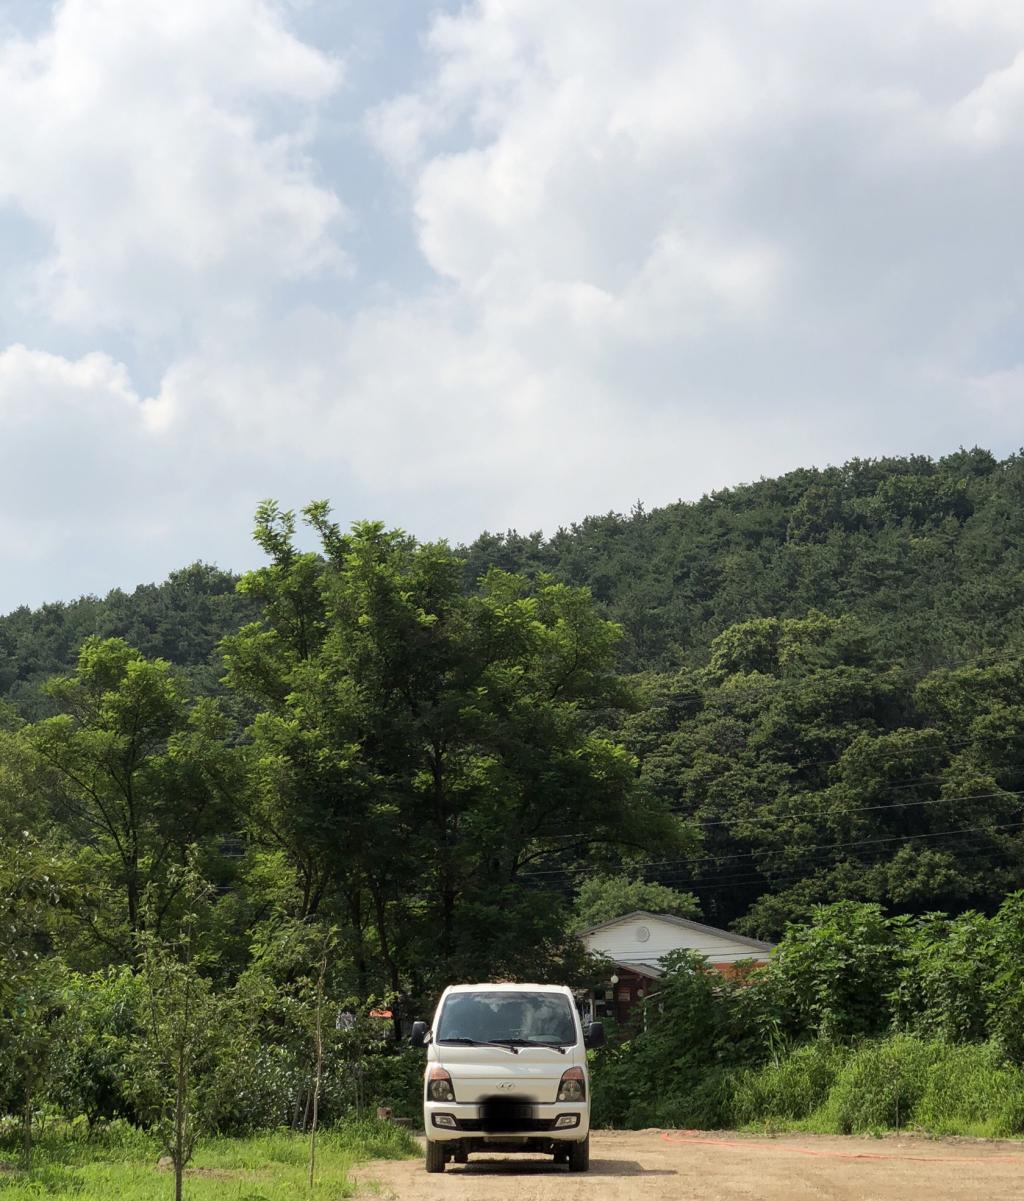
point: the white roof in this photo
(642, 914)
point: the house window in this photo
(625, 994)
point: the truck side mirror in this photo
(418, 1038)
(594, 1036)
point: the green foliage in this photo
(132, 774)
(972, 1090)
(97, 1035)
(789, 1089)
(879, 1086)
(424, 749)
(897, 1083)
(420, 751)
(926, 553)
(601, 898)
(945, 980)
(184, 1026)
(181, 620)
(31, 976)
(1005, 987)
(678, 1071)
(836, 976)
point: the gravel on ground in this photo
(724, 1166)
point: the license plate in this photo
(505, 1114)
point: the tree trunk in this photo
(355, 910)
(179, 1128)
(394, 975)
(318, 1044)
(446, 873)
(26, 1127)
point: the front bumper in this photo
(542, 1123)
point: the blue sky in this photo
(486, 265)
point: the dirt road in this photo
(726, 1167)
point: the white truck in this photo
(507, 1071)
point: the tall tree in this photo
(427, 755)
(134, 774)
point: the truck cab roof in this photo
(562, 988)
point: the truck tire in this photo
(579, 1155)
(435, 1156)
(461, 1156)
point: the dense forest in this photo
(928, 554)
(408, 763)
(823, 671)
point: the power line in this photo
(802, 850)
(775, 682)
(911, 782)
(817, 862)
(841, 812)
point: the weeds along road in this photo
(726, 1167)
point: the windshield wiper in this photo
(526, 1042)
(505, 1045)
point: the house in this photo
(637, 942)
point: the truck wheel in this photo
(435, 1156)
(461, 1156)
(579, 1155)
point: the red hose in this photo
(695, 1136)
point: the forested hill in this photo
(183, 619)
(929, 554)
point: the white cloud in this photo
(992, 114)
(779, 199)
(73, 458)
(143, 137)
(668, 247)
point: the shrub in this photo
(678, 1071)
(96, 1034)
(1005, 986)
(943, 978)
(836, 978)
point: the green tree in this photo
(425, 757)
(601, 898)
(134, 775)
(185, 1027)
(31, 975)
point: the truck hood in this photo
(478, 1072)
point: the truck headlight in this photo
(573, 1086)
(439, 1085)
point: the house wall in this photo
(617, 1001)
(622, 943)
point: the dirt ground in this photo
(690, 1166)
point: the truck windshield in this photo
(514, 1017)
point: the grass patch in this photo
(879, 1087)
(789, 1091)
(973, 1090)
(897, 1083)
(121, 1163)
